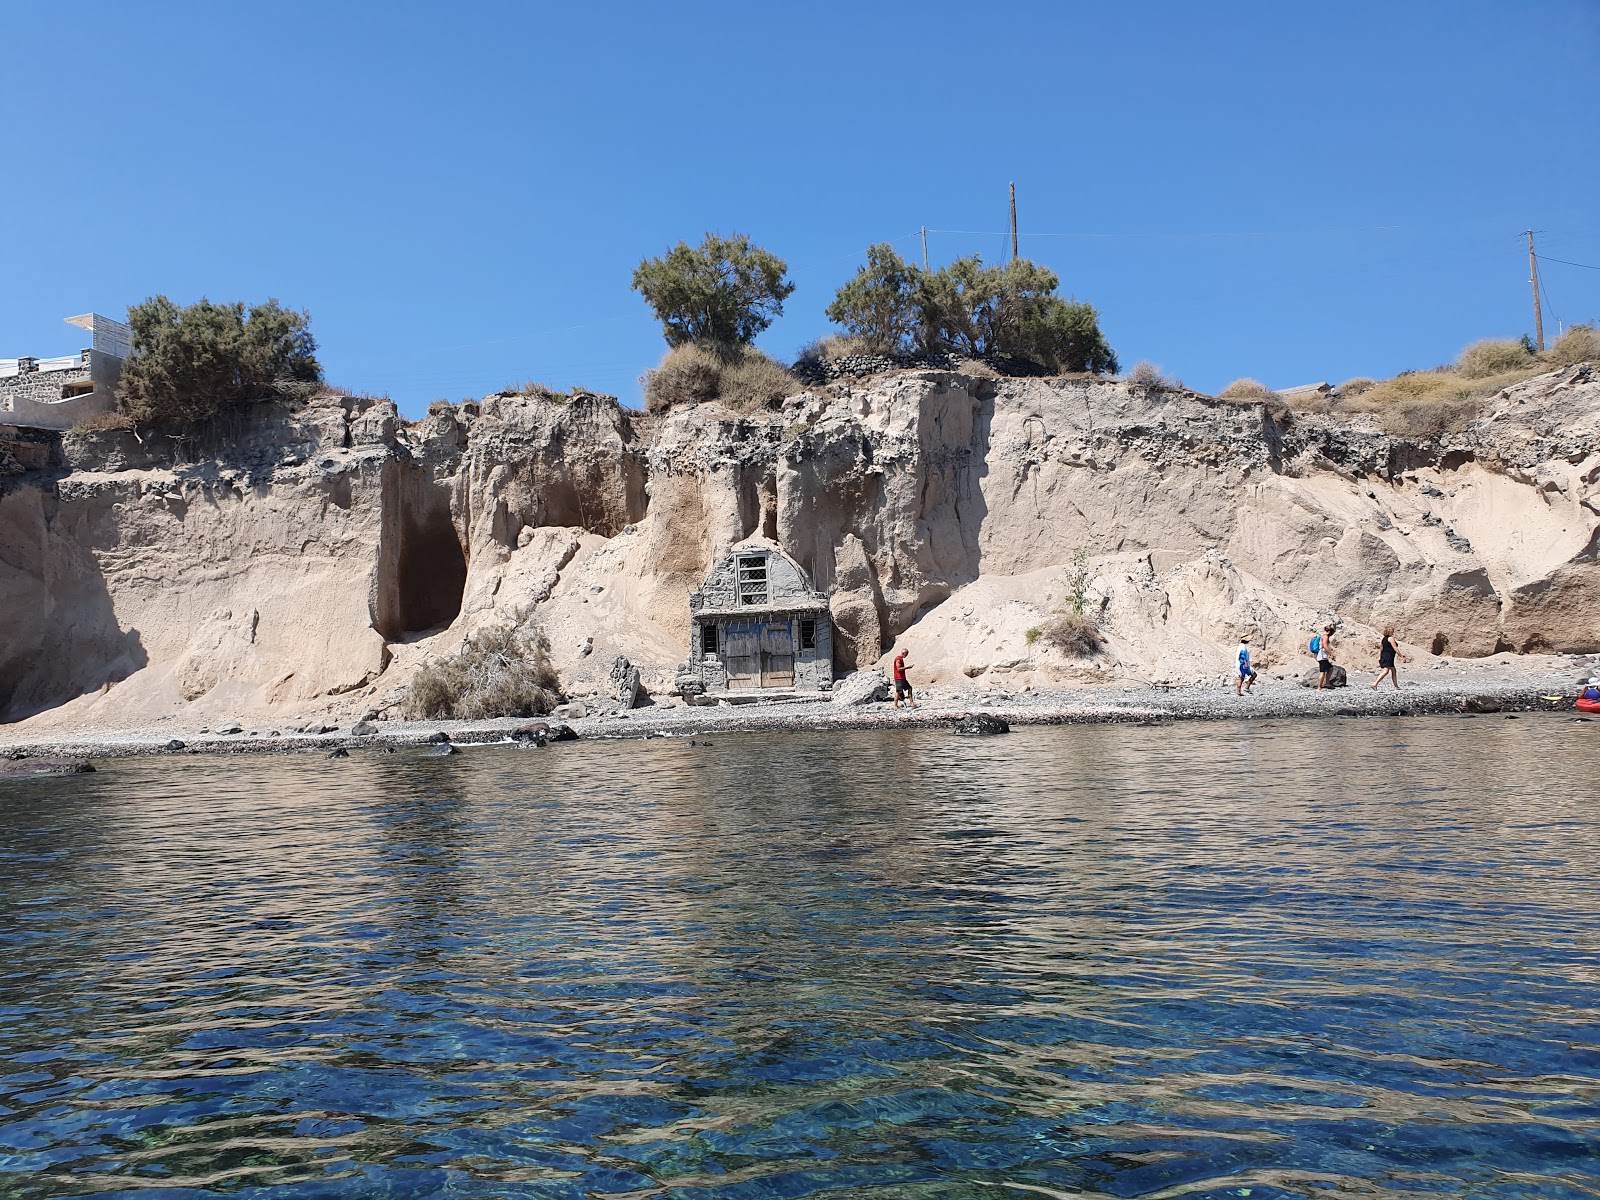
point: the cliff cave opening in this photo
(422, 571)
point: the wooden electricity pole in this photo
(1533, 278)
(924, 247)
(1013, 220)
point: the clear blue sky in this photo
(459, 192)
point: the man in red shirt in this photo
(902, 685)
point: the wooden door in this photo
(777, 655)
(741, 653)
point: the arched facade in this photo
(757, 625)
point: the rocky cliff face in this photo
(333, 547)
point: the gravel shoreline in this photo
(1509, 686)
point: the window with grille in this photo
(808, 634)
(753, 579)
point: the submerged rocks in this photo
(442, 750)
(435, 739)
(35, 768)
(338, 752)
(981, 725)
(862, 687)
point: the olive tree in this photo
(191, 364)
(721, 293)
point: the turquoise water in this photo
(1344, 957)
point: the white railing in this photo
(9, 366)
(65, 363)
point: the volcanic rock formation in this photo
(323, 551)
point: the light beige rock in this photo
(335, 548)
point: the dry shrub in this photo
(1071, 633)
(104, 422)
(1494, 356)
(754, 381)
(1579, 344)
(1428, 418)
(502, 671)
(744, 379)
(1248, 391)
(1359, 386)
(534, 390)
(1147, 374)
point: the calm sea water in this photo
(1353, 958)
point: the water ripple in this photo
(1176, 962)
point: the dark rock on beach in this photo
(982, 725)
(34, 768)
(175, 744)
(435, 739)
(1480, 704)
(338, 752)
(1337, 677)
(442, 750)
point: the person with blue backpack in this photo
(1322, 649)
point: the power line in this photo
(1565, 263)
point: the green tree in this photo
(1008, 312)
(190, 364)
(879, 304)
(720, 294)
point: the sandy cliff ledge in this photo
(332, 547)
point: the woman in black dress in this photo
(1388, 651)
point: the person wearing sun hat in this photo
(1246, 678)
(1592, 692)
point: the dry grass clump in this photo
(743, 378)
(1248, 391)
(1071, 633)
(1149, 375)
(104, 422)
(1359, 386)
(1494, 356)
(503, 671)
(835, 345)
(1579, 344)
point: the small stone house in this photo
(757, 625)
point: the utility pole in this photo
(1533, 278)
(924, 247)
(1014, 220)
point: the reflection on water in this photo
(1353, 957)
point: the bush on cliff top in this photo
(502, 671)
(1000, 314)
(744, 379)
(721, 293)
(192, 364)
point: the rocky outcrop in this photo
(317, 554)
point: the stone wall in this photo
(34, 397)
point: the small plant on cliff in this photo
(744, 379)
(192, 364)
(1079, 579)
(1071, 633)
(721, 293)
(1580, 343)
(1248, 391)
(502, 671)
(1147, 374)
(878, 306)
(1494, 356)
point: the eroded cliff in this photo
(331, 547)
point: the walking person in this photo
(902, 685)
(1325, 659)
(1388, 651)
(1246, 677)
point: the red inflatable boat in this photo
(1588, 706)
